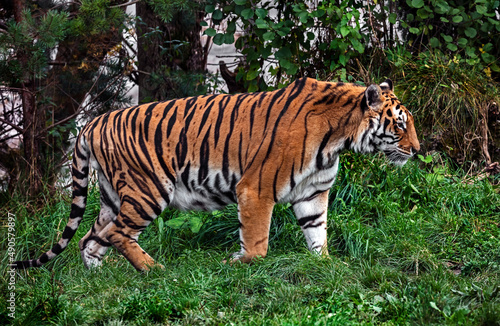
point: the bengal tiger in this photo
(205, 152)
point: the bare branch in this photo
(17, 128)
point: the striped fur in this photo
(205, 152)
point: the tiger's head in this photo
(391, 126)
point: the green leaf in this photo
(252, 74)
(231, 27)
(434, 42)
(488, 58)
(218, 39)
(178, 222)
(481, 9)
(228, 38)
(247, 13)
(261, 13)
(447, 38)
(343, 60)
(423, 13)
(462, 42)
(471, 52)
(310, 36)
(209, 9)
(417, 3)
(195, 224)
(210, 32)
(344, 31)
(434, 306)
(240, 2)
(217, 15)
(392, 18)
(470, 32)
(414, 30)
(444, 20)
(457, 19)
(452, 47)
(358, 46)
(283, 53)
(261, 23)
(268, 36)
(488, 47)
(203, 23)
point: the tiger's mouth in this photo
(397, 156)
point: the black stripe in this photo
(205, 117)
(77, 211)
(171, 122)
(204, 157)
(324, 142)
(147, 119)
(310, 218)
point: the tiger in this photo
(206, 152)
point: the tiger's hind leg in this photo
(311, 214)
(94, 245)
(133, 218)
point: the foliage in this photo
(62, 61)
(467, 30)
(326, 38)
(416, 245)
(450, 102)
(297, 41)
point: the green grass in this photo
(418, 245)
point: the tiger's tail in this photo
(80, 170)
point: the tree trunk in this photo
(33, 124)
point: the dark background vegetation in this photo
(416, 245)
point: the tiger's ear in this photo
(387, 84)
(373, 95)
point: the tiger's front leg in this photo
(311, 214)
(254, 214)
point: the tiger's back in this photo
(206, 152)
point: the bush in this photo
(454, 105)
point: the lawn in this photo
(417, 245)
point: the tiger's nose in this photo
(415, 148)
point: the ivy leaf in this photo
(414, 30)
(252, 74)
(210, 32)
(283, 53)
(209, 9)
(218, 39)
(343, 59)
(434, 42)
(268, 36)
(228, 38)
(217, 15)
(462, 42)
(344, 31)
(417, 3)
(392, 18)
(261, 23)
(488, 47)
(261, 13)
(247, 13)
(447, 38)
(470, 32)
(481, 9)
